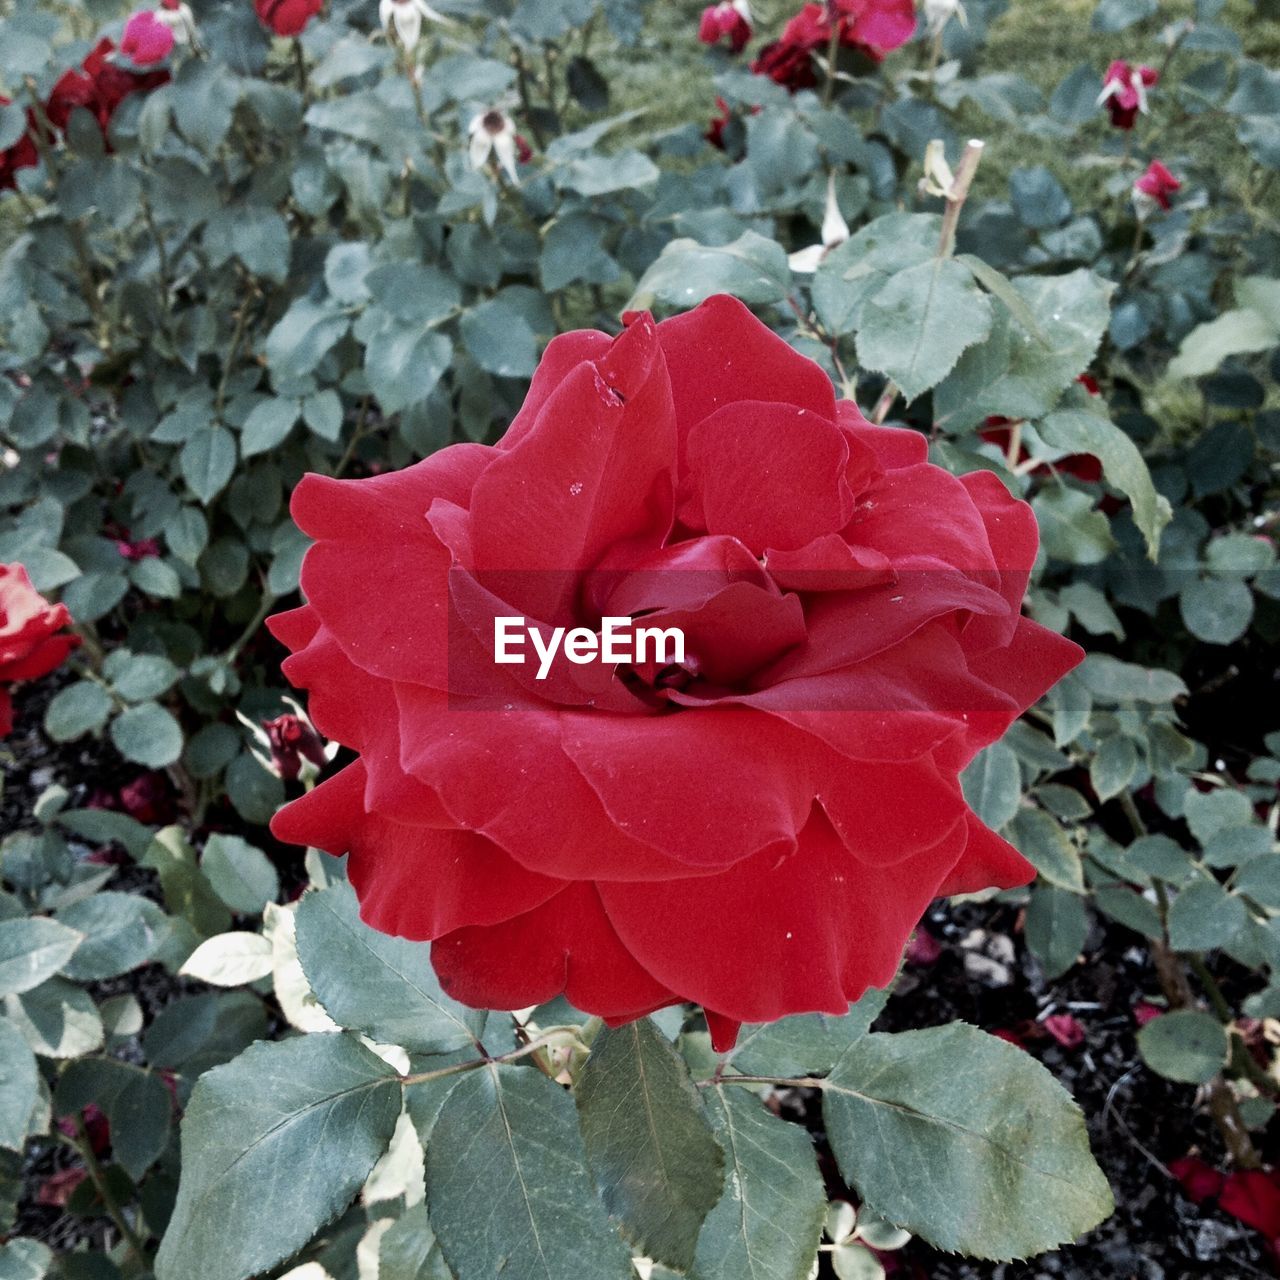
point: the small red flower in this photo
(1124, 91)
(22, 155)
(287, 17)
(29, 646)
(875, 27)
(146, 39)
(731, 18)
(923, 949)
(1065, 1029)
(293, 740)
(1157, 185)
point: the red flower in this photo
(730, 18)
(1084, 466)
(1124, 91)
(1065, 1029)
(287, 17)
(99, 85)
(146, 39)
(1157, 185)
(1144, 1012)
(1199, 1181)
(293, 740)
(22, 155)
(1253, 1196)
(29, 646)
(138, 550)
(757, 828)
(148, 798)
(874, 26)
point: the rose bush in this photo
(704, 833)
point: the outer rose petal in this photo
(6, 713)
(375, 533)
(774, 935)
(567, 946)
(720, 353)
(414, 882)
(894, 447)
(562, 355)
(42, 659)
(987, 861)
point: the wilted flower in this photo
(406, 16)
(1065, 1029)
(1153, 189)
(1124, 91)
(146, 39)
(835, 231)
(287, 17)
(730, 18)
(937, 13)
(177, 16)
(493, 132)
(293, 738)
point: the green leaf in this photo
(139, 676)
(78, 709)
(18, 1088)
(147, 734)
(1042, 841)
(648, 1141)
(57, 1019)
(304, 335)
(1016, 375)
(375, 983)
(1233, 333)
(33, 949)
(767, 1223)
(807, 1044)
(404, 363)
(104, 825)
(1118, 15)
(964, 1140)
(140, 1114)
(999, 286)
(268, 423)
(1186, 1045)
(686, 273)
(1057, 926)
(1114, 681)
(322, 412)
(1216, 610)
(1077, 431)
(993, 785)
(499, 339)
(510, 1136)
(1112, 768)
(598, 175)
(23, 1259)
(1204, 916)
(241, 875)
(254, 791)
(1070, 529)
(914, 329)
(121, 931)
(207, 461)
(291, 1129)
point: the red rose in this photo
(731, 18)
(146, 39)
(99, 85)
(22, 155)
(287, 17)
(756, 829)
(1155, 187)
(293, 740)
(873, 26)
(29, 646)
(1124, 91)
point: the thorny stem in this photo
(422, 1077)
(958, 194)
(885, 403)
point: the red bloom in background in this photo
(729, 18)
(146, 39)
(29, 645)
(99, 85)
(1124, 92)
(1156, 185)
(874, 26)
(1084, 466)
(287, 17)
(22, 155)
(756, 829)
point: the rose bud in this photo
(146, 39)
(876, 27)
(406, 16)
(293, 739)
(1124, 92)
(729, 18)
(29, 646)
(177, 16)
(494, 133)
(835, 231)
(1153, 189)
(287, 17)
(758, 837)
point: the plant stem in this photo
(884, 404)
(300, 62)
(422, 1077)
(112, 1206)
(958, 194)
(833, 52)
